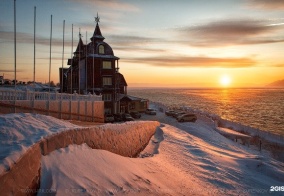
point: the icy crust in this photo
(20, 131)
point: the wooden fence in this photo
(33, 95)
(59, 105)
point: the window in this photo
(107, 65)
(107, 81)
(132, 106)
(101, 49)
(143, 104)
(107, 97)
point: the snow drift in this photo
(25, 137)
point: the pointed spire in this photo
(80, 46)
(97, 33)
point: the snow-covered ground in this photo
(180, 159)
(20, 131)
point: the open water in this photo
(258, 108)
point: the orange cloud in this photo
(111, 4)
(199, 62)
(267, 4)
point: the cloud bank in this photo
(231, 32)
(200, 62)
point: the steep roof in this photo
(80, 46)
(97, 35)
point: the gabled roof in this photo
(130, 98)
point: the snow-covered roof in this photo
(132, 98)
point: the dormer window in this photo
(101, 49)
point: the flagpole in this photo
(62, 57)
(86, 66)
(93, 65)
(72, 62)
(79, 81)
(34, 40)
(15, 58)
(15, 47)
(50, 51)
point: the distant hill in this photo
(276, 84)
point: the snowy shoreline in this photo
(265, 135)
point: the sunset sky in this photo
(162, 43)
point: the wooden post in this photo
(60, 108)
(93, 110)
(33, 102)
(70, 110)
(86, 112)
(78, 109)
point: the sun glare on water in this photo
(225, 81)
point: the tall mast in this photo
(15, 47)
(62, 57)
(72, 62)
(50, 52)
(86, 65)
(79, 60)
(34, 41)
(93, 86)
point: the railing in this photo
(32, 95)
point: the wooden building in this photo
(94, 69)
(130, 103)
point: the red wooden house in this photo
(94, 69)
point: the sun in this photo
(225, 80)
